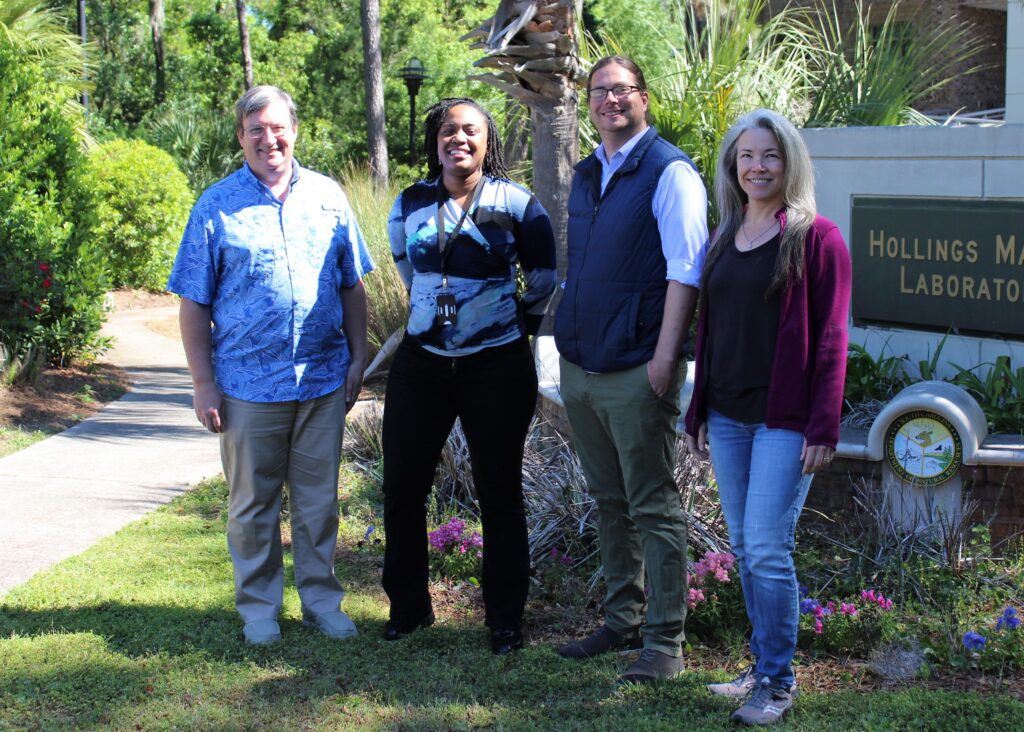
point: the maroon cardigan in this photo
(805, 392)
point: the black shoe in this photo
(602, 640)
(652, 666)
(506, 640)
(395, 629)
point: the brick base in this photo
(998, 491)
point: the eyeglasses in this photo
(621, 91)
(259, 131)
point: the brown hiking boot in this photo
(602, 640)
(652, 666)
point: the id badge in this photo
(446, 313)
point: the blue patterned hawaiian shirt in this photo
(272, 273)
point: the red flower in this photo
(47, 283)
(39, 309)
(44, 267)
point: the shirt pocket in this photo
(262, 265)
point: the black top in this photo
(742, 330)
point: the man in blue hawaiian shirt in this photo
(272, 257)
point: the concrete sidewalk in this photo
(63, 494)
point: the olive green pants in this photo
(625, 438)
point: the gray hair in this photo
(797, 194)
(259, 98)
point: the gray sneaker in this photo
(739, 687)
(652, 666)
(766, 704)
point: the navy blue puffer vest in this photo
(610, 314)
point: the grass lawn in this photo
(139, 633)
(13, 439)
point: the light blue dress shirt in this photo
(272, 272)
(679, 204)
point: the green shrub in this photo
(135, 202)
(999, 391)
(51, 283)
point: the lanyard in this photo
(442, 236)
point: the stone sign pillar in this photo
(922, 438)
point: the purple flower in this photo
(369, 530)
(449, 538)
(974, 641)
(1008, 619)
(809, 605)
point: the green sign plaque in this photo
(939, 262)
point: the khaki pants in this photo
(625, 437)
(265, 445)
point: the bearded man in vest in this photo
(637, 230)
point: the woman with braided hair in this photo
(457, 238)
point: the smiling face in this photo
(268, 141)
(617, 119)
(760, 167)
(462, 141)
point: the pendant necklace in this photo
(750, 242)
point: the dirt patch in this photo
(167, 327)
(64, 397)
(141, 299)
(61, 397)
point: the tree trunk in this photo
(156, 24)
(373, 79)
(532, 47)
(555, 151)
(243, 36)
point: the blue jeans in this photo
(762, 493)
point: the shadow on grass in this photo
(124, 665)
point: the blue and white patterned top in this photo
(272, 273)
(508, 226)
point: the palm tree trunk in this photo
(555, 153)
(532, 47)
(373, 79)
(243, 36)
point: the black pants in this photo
(494, 394)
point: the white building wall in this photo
(1015, 61)
(962, 162)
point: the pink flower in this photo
(819, 628)
(694, 597)
(848, 608)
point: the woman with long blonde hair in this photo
(771, 362)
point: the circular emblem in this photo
(923, 448)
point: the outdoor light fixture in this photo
(413, 74)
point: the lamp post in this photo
(413, 74)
